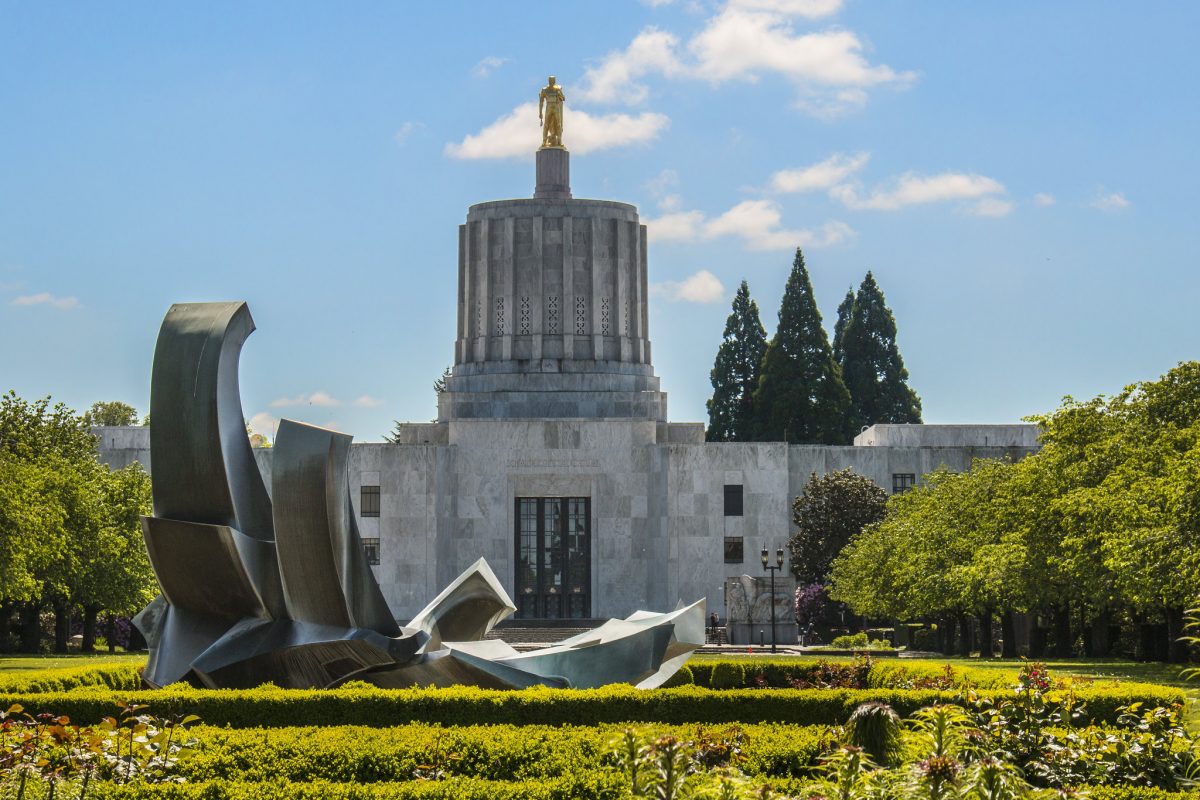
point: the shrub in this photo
(875, 728)
(728, 675)
(541, 706)
(854, 641)
(63, 679)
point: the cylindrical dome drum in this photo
(552, 313)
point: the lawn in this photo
(9, 664)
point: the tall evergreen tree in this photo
(871, 364)
(800, 396)
(735, 372)
(839, 329)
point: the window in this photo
(733, 500)
(734, 551)
(371, 546)
(902, 482)
(369, 502)
(553, 550)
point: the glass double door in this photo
(554, 566)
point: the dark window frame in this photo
(372, 549)
(735, 500)
(369, 501)
(903, 481)
(735, 550)
(570, 603)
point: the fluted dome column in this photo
(552, 312)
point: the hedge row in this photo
(63, 679)
(272, 707)
(739, 672)
(357, 754)
(591, 785)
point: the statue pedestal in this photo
(553, 174)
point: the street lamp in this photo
(778, 565)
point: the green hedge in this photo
(63, 679)
(592, 785)
(271, 707)
(358, 754)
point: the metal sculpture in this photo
(259, 588)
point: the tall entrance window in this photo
(554, 565)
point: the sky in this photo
(1020, 177)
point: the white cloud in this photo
(757, 222)
(406, 130)
(813, 9)
(676, 226)
(1110, 201)
(367, 401)
(264, 423)
(517, 134)
(745, 38)
(46, 299)
(1041, 199)
(910, 190)
(615, 78)
(487, 65)
(702, 287)
(828, 67)
(991, 207)
(670, 202)
(662, 183)
(323, 399)
(824, 175)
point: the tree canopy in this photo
(70, 536)
(800, 397)
(1100, 525)
(736, 371)
(832, 509)
(110, 413)
(874, 372)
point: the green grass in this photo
(35, 663)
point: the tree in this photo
(845, 309)
(736, 371)
(110, 413)
(872, 368)
(830, 511)
(800, 396)
(69, 528)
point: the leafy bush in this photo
(272, 707)
(63, 679)
(854, 641)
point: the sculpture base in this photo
(553, 174)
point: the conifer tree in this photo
(839, 329)
(871, 364)
(735, 372)
(801, 397)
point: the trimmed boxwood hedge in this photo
(586, 785)
(64, 679)
(272, 707)
(589, 785)
(360, 754)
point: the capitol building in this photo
(553, 455)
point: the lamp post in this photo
(778, 565)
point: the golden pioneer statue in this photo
(551, 100)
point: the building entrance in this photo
(554, 564)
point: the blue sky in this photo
(1020, 176)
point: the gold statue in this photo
(552, 100)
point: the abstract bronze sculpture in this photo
(277, 588)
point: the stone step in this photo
(535, 635)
